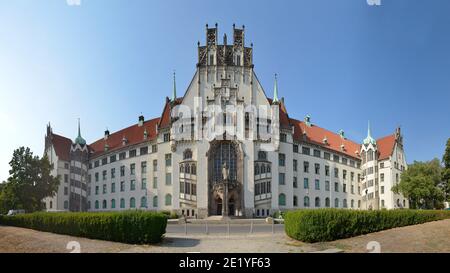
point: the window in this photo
(327, 170)
(104, 205)
(168, 179)
(112, 158)
(335, 158)
(122, 203)
(132, 169)
(122, 170)
(327, 185)
(113, 203)
(155, 201)
(352, 203)
(122, 186)
(336, 186)
(306, 201)
(66, 204)
(144, 167)
(104, 174)
(132, 202)
(382, 203)
(345, 203)
(187, 154)
(306, 151)
(262, 155)
(336, 203)
(104, 162)
(143, 202)
(168, 199)
(154, 148)
(193, 169)
(317, 202)
(305, 166)
(382, 189)
(344, 161)
(327, 202)
(382, 177)
(168, 158)
(282, 178)
(256, 169)
(381, 165)
(295, 201)
(317, 168)
(281, 159)
(113, 187)
(66, 166)
(305, 183)
(283, 137)
(317, 184)
(132, 185)
(113, 173)
(344, 187)
(122, 155)
(96, 190)
(282, 199)
(96, 177)
(316, 153)
(166, 137)
(96, 204)
(326, 155)
(66, 178)
(66, 190)
(344, 174)
(96, 164)
(144, 184)
(352, 176)
(295, 182)
(295, 163)
(155, 165)
(143, 150)
(295, 148)
(155, 182)
(104, 189)
(352, 189)
(51, 204)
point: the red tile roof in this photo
(316, 135)
(134, 135)
(385, 146)
(283, 115)
(62, 146)
(165, 116)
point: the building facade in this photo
(225, 148)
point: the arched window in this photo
(143, 202)
(66, 204)
(224, 152)
(263, 168)
(282, 199)
(268, 169)
(317, 202)
(352, 203)
(295, 201)
(336, 203)
(306, 201)
(132, 202)
(256, 169)
(327, 202)
(345, 203)
(155, 201)
(96, 204)
(181, 168)
(187, 154)
(104, 204)
(122, 203)
(168, 199)
(193, 169)
(187, 168)
(113, 203)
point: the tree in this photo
(29, 183)
(446, 171)
(420, 183)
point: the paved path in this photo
(429, 237)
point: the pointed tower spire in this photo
(275, 90)
(79, 131)
(369, 138)
(174, 94)
(79, 140)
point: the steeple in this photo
(174, 93)
(275, 91)
(369, 138)
(79, 139)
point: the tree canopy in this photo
(446, 171)
(29, 183)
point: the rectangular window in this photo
(381, 165)
(66, 190)
(89, 178)
(143, 150)
(382, 189)
(352, 163)
(155, 165)
(326, 155)
(66, 178)
(336, 186)
(132, 153)
(295, 148)
(352, 176)
(122, 186)
(66, 166)
(166, 137)
(144, 184)
(344, 174)
(283, 137)
(305, 166)
(113, 187)
(104, 189)
(155, 182)
(132, 169)
(344, 187)
(352, 189)
(96, 163)
(295, 182)
(306, 151)
(336, 172)
(168, 179)
(327, 185)
(168, 160)
(113, 173)
(122, 155)
(132, 185)
(305, 183)
(144, 167)
(382, 177)
(335, 158)
(154, 148)
(317, 168)
(105, 161)
(344, 161)
(104, 174)
(282, 160)
(295, 165)
(122, 170)
(316, 153)
(282, 178)
(112, 158)
(327, 170)
(96, 177)
(317, 184)
(96, 190)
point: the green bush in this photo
(136, 227)
(331, 224)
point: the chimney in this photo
(141, 121)
(106, 134)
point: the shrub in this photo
(134, 227)
(331, 224)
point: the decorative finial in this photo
(275, 90)
(369, 138)
(174, 93)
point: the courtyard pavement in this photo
(428, 237)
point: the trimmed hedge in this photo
(320, 225)
(135, 227)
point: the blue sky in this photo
(342, 62)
